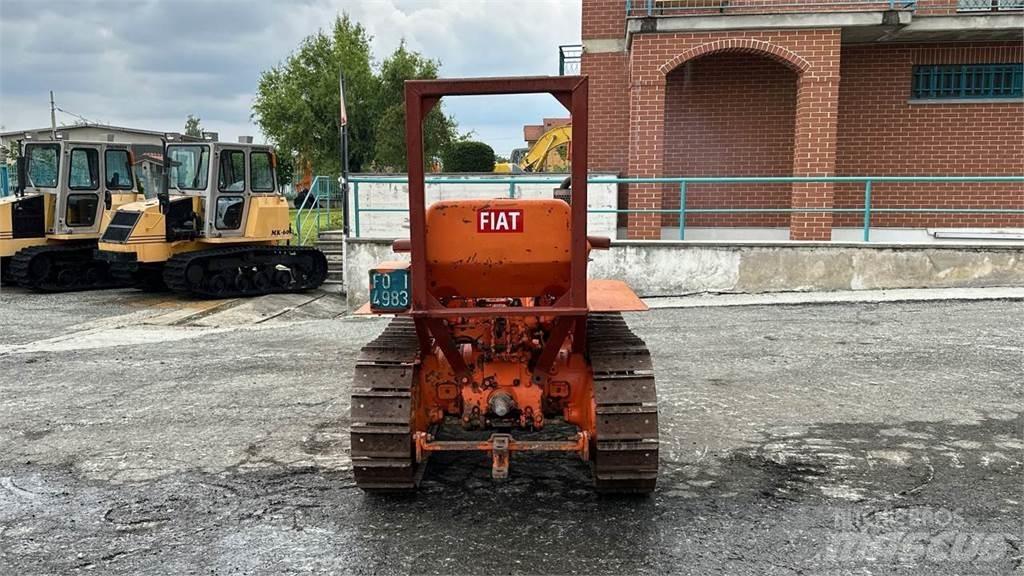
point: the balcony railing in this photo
(569, 56)
(642, 8)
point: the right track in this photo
(624, 453)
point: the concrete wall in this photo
(664, 268)
(396, 195)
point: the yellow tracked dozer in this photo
(64, 198)
(219, 229)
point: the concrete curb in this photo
(839, 297)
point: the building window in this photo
(967, 81)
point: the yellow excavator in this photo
(536, 157)
(218, 229)
(65, 196)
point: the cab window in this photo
(229, 212)
(261, 178)
(81, 210)
(118, 169)
(43, 165)
(189, 165)
(231, 176)
(84, 170)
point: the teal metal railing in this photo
(867, 182)
(5, 181)
(320, 209)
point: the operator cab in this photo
(213, 184)
(64, 187)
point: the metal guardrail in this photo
(989, 5)
(642, 8)
(678, 7)
(309, 217)
(867, 182)
(569, 58)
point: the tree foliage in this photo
(468, 156)
(193, 127)
(285, 167)
(438, 130)
(297, 102)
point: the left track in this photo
(62, 268)
(383, 458)
(245, 271)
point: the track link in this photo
(383, 457)
(6, 278)
(245, 271)
(625, 451)
(62, 268)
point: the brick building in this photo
(808, 88)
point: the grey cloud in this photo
(149, 63)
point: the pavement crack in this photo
(919, 487)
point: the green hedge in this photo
(468, 156)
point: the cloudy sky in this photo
(150, 63)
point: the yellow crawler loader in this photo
(218, 229)
(65, 195)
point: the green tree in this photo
(297, 102)
(438, 130)
(468, 156)
(285, 167)
(192, 127)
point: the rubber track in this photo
(383, 458)
(6, 278)
(625, 451)
(175, 268)
(76, 258)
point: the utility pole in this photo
(53, 118)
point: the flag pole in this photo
(343, 147)
(343, 150)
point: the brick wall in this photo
(609, 111)
(881, 132)
(730, 115)
(641, 124)
(812, 53)
(604, 19)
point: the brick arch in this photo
(740, 45)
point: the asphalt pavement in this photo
(140, 434)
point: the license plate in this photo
(389, 291)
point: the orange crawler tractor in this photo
(498, 329)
